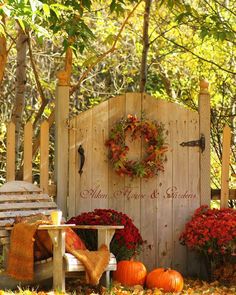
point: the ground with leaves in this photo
(190, 287)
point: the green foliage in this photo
(63, 18)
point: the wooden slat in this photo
(148, 203)
(44, 156)
(193, 265)
(28, 205)
(17, 186)
(73, 264)
(115, 182)
(225, 167)
(84, 184)
(3, 233)
(164, 216)
(132, 202)
(13, 214)
(180, 184)
(27, 171)
(73, 169)
(20, 198)
(99, 155)
(61, 146)
(204, 113)
(11, 145)
(7, 222)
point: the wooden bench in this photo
(19, 198)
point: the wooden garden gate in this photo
(159, 206)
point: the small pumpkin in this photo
(130, 273)
(167, 279)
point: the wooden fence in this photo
(28, 154)
(224, 196)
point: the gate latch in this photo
(82, 159)
(200, 142)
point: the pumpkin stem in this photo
(133, 258)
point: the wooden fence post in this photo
(61, 146)
(11, 155)
(28, 132)
(224, 196)
(204, 117)
(44, 156)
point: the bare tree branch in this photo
(39, 86)
(200, 57)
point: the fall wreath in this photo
(153, 137)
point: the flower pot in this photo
(222, 269)
(225, 272)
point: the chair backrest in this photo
(21, 199)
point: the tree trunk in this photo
(19, 103)
(143, 70)
(3, 54)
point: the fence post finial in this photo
(204, 85)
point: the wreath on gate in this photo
(154, 142)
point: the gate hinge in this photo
(200, 142)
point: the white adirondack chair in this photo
(19, 198)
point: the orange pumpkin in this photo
(130, 273)
(168, 279)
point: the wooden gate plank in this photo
(164, 217)
(99, 154)
(193, 264)
(132, 201)
(148, 197)
(180, 186)
(205, 163)
(116, 106)
(84, 180)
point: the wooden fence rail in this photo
(216, 194)
(28, 156)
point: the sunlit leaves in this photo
(214, 19)
(46, 10)
(60, 18)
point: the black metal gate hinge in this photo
(200, 142)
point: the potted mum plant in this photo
(212, 233)
(126, 242)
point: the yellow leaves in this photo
(195, 287)
(191, 287)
